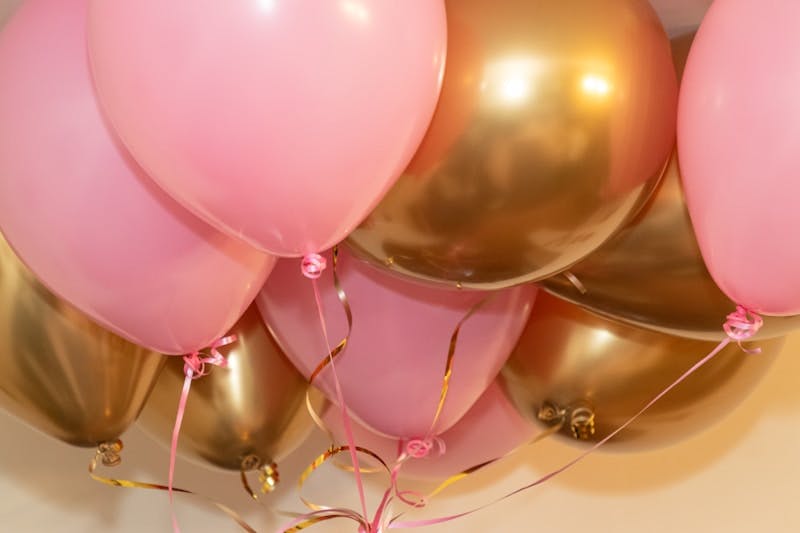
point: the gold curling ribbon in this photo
(451, 352)
(339, 348)
(268, 475)
(108, 454)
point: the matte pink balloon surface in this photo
(282, 122)
(84, 217)
(490, 429)
(392, 369)
(739, 144)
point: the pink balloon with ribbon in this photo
(490, 429)
(737, 133)
(86, 219)
(281, 122)
(391, 371)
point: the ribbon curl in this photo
(108, 454)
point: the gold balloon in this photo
(59, 371)
(651, 274)
(246, 416)
(600, 373)
(555, 122)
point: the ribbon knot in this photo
(194, 366)
(421, 448)
(741, 325)
(313, 265)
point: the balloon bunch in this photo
(180, 186)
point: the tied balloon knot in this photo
(421, 448)
(313, 265)
(109, 452)
(194, 366)
(741, 325)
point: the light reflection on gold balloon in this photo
(554, 124)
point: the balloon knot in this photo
(421, 448)
(194, 365)
(109, 452)
(743, 324)
(313, 265)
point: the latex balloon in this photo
(651, 274)
(392, 369)
(60, 372)
(738, 120)
(601, 372)
(85, 219)
(282, 122)
(555, 123)
(251, 413)
(490, 429)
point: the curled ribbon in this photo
(108, 454)
(194, 367)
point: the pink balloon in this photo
(281, 122)
(391, 372)
(738, 127)
(490, 429)
(86, 219)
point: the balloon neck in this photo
(742, 324)
(109, 452)
(421, 448)
(313, 265)
(268, 475)
(580, 417)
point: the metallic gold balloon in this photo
(59, 371)
(240, 418)
(599, 373)
(555, 122)
(651, 274)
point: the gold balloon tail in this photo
(108, 455)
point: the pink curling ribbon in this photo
(312, 267)
(195, 366)
(739, 326)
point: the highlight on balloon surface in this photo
(59, 371)
(598, 373)
(285, 121)
(651, 274)
(555, 122)
(738, 152)
(248, 416)
(86, 219)
(393, 366)
(490, 429)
